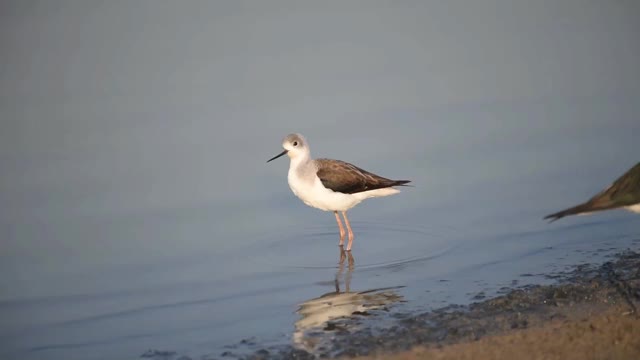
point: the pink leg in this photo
(341, 228)
(346, 221)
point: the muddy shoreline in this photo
(590, 312)
(585, 292)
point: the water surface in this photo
(138, 212)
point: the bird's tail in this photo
(578, 209)
(401, 183)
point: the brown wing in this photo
(346, 178)
(625, 191)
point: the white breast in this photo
(313, 193)
(635, 208)
(301, 188)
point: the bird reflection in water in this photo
(316, 314)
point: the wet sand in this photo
(591, 313)
(609, 334)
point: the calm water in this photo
(201, 303)
(138, 212)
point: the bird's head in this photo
(294, 145)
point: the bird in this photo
(331, 185)
(623, 193)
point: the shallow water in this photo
(138, 212)
(250, 298)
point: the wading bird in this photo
(331, 185)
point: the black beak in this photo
(277, 156)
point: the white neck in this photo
(299, 160)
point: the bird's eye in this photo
(295, 143)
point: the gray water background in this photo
(138, 211)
